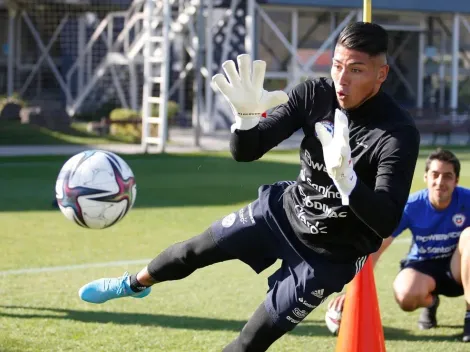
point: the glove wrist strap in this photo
(245, 123)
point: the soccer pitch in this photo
(178, 196)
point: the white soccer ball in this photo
(95, 189)
(333, 320)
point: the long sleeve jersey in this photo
(384, 145)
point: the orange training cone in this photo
(361, 328)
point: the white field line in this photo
(51, 269)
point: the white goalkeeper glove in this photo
(244, 91)
(337, 155)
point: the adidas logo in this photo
(318, 293)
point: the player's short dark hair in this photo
(369, 38)
(446, 156)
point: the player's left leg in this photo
(257, 335)
(296, 289)
(460, 269)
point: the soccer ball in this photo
(95, 189)
(333, 320)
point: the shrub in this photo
(133, 128)
(15, 99)
(173, 109)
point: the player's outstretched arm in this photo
(381, 208)
(248, 100)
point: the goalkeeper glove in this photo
(337, 155)
(244, 91)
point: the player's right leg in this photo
(242, 235)
(413, 289)
(174, 263)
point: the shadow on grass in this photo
(309, 328)
(457, 326)
(162, 180)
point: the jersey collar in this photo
(366, 110)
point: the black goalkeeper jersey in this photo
(384, 145)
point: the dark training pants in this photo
(181, 259)
(301, 284)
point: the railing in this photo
(88, 72)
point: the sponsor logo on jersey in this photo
(241, 215)
(315, 228)
(313, 165)
(324, 190)
(443, 250)
(438, 236)
(300, 313)
(250, 214)
(292, 320)
(327, 212)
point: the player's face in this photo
(357, 76)
(441, 181)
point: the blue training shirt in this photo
(435, 234)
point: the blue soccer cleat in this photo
(102, 290)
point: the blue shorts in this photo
(259, 234)
(439, 270)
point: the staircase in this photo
(90, 67)
(156, 73)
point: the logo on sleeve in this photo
(229, 220)
(458, 219)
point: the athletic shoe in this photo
(427, 319)
(466, 329)
(102, 290)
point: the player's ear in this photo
(425, 177)
(383, 73)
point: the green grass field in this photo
(178, 197)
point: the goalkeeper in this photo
(438, 262)
(357, 161)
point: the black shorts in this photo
(259, 234)
(439, 270)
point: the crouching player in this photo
(438, 262)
